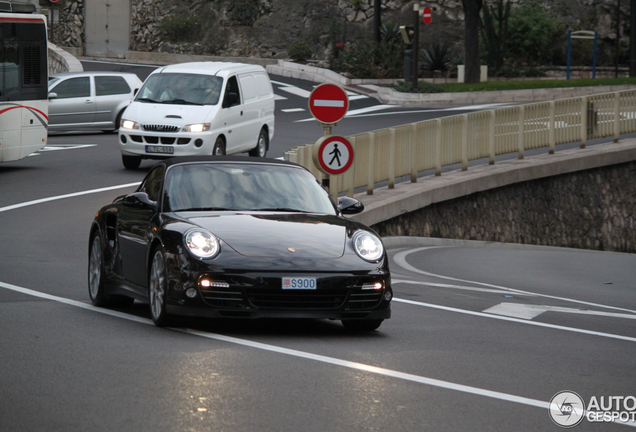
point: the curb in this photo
(377, 88)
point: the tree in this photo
(472, 9)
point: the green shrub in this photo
(422, 87)
(179, 28)
(372, 60)
(299, 51)
(438, 57)
(243, 12)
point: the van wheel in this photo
(131, 162)
(219, 147)
(261, 145)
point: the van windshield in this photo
(181, 89)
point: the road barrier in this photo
(387, 154)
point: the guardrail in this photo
(405, 150)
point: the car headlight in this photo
(368, 246)
(197, 127)
(129, 124)
(202, 243)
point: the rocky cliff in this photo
(265, 28)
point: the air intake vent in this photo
(160, 128)
(31, 75)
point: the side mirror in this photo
(52, 95)
(350, 206)
(139, 200)
(231, 99)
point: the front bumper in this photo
(336, 296)
(137, 143)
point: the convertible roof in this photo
(225, 159)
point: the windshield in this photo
(243, 187)
(177, 88)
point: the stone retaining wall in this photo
(591, 209)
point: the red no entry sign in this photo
(333, 154)
(328, 103)
(427, 15)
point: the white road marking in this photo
(296, 353)
(400, 259)
(356, 112)
(526, 311)
(54, 147)
(516, 320)
(461, 287)
(302, 354)
(295, 91)
(71, 195)
(290, 110)
(278, 97)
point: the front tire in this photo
(219, 147)
(362, 325)
(158, 289)
(96, 290)
(131, 162)
(261, 145)
(96, 272)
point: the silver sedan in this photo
(95, 101)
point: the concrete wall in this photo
(62, 61)
(590, 209)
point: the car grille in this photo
(278, 299)
(157, 140)
(159, 128)
(266, 293)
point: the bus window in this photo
(9, 68)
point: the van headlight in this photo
(129, 124)
(197, 127)
(368, 246)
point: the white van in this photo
(203, 108)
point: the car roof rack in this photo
(7, 6)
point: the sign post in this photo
(333, 155)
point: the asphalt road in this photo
(482, 335)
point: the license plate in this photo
(299, 283)
(159, 149)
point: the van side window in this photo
(263, 85)
(232, 95)
(247, 85)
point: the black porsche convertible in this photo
(238, 237)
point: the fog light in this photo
(206, 283)
(373, 286)
(388, 295)
(198, 142)
(191, 292)
(123, 139)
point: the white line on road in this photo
(400, 259)
(296, 353)
(54, 147)
(302, 354)
(531, 311)
(516, 320)
(461, 287)
(71, 195)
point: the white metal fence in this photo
(405, 150)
